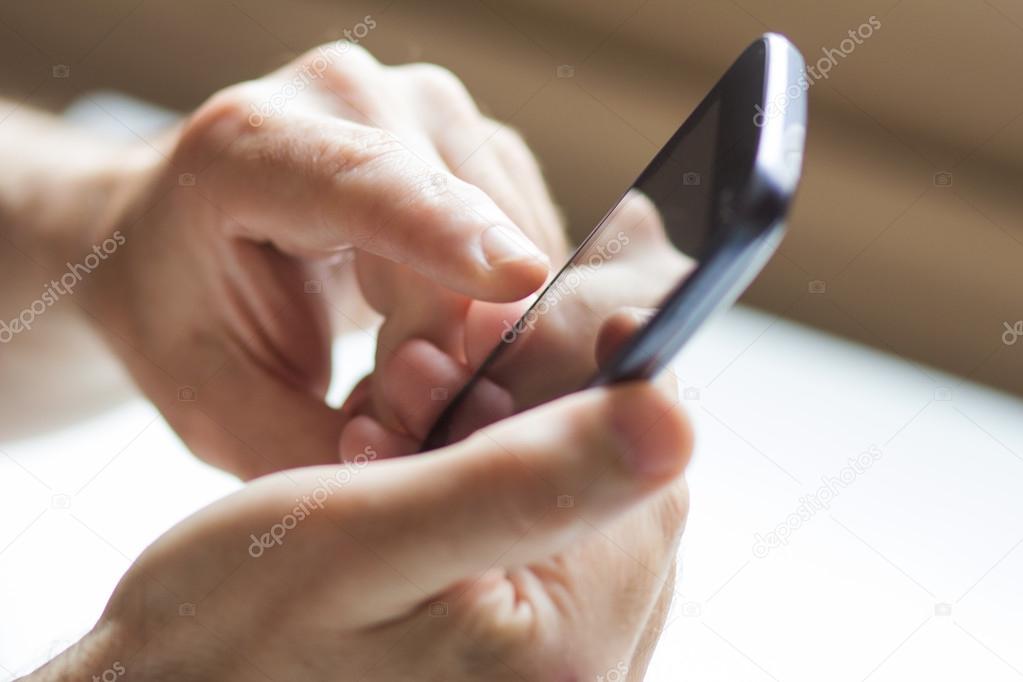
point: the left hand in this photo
(210, 243)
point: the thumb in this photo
(515, 493)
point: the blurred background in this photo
(908, 233)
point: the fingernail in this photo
(648, 444)
(501, 245)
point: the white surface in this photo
(937, 519)
(933, 527)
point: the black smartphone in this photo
(684, 241)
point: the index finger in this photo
(313, 184)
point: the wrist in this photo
(70, 222)
(79, 213)
(65, 186)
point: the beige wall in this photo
(926, 271)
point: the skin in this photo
(224, 223)
(384, 185)
(588, 308)
(459, 565)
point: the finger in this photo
(616, 331)
(314, 184)
(490, 324)
(435, 318)
(484, 152)
(493, 498)
(521, 165)
(364, 435)
(421, 381)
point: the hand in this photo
(220, 230)
(538, 549)
(615, 283)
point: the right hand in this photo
(538, 549)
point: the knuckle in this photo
(232, 103)
(223, 117)
(337, 55)
(437, 78)
(348, 82)
(343, 68)
(510, 139)
(313, 62)
(379, 164)
(355, 51)
(417, 193)
(362, 150)
(442, 86)
(512, 145)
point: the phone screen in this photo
(640, 252)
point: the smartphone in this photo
(686, 238)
